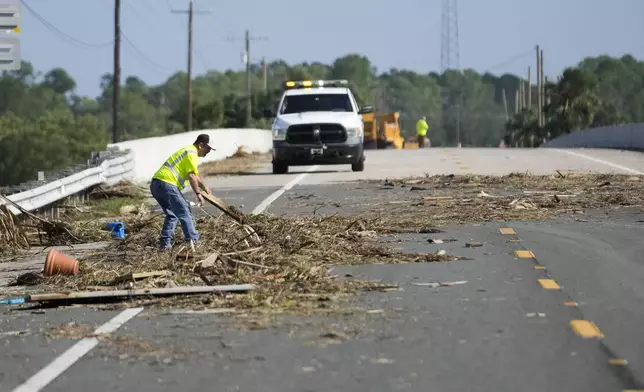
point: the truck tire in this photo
(279, 168)
(357, 167)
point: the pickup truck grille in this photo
(303, 134)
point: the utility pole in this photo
(190, 13)
(116, 78)
(265, 71)
(539, 90)
(543, 90)
(248, 81)
(248, 61)
(505, 105)
(529, 89)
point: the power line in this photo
(142, 55)
(56, 30)
(510, 60)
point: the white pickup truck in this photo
(318, 122)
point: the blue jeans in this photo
(176, 209)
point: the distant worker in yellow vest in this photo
(167, 186)
(421, 132)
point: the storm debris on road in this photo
(123, 347)
(290, 263)
(461, 199)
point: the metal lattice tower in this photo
(450, 57)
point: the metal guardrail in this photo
(622, 136)
(105, 167)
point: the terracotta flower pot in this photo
(58, 263)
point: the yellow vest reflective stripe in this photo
(178, 167)
(421, 128)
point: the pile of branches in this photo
(15, 233)
(435, 201)
(12, 235)
(282, 256)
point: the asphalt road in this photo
(500, 330)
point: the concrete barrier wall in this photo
(626, 137)
(150, 153)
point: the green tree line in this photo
(46, 126)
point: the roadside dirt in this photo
(240, 163)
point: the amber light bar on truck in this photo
(314, 83)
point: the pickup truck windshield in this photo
(316, 103)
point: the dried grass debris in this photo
(12, 235)
(461, 199)
(293, 258)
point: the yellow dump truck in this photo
(382, 130)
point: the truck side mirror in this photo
(268, 113)
(366, 109)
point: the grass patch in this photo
(107, 208)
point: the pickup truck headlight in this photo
(279, 133)
(355, 132)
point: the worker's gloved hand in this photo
(200, 200)
(208, 191)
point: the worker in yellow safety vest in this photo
(421, 131)
(167, 189)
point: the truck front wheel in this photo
(357, 167)
(279, 168)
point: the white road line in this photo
(49, 373)
(55, 368)
(615, 165)
(270, 199)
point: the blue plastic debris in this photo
(12, 301)
(117, 229)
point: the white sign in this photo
(9, 53)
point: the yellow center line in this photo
(570, 303)
(507, 230)
(549, 284)
(618, 361)
(539, 267)
(524, 254)
(586, 329)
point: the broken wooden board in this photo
(223, 206)
(134, 276)
(86, 295)
(436, 198)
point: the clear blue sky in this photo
(401, 34)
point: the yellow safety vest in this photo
(421, 127)
(176, 169)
